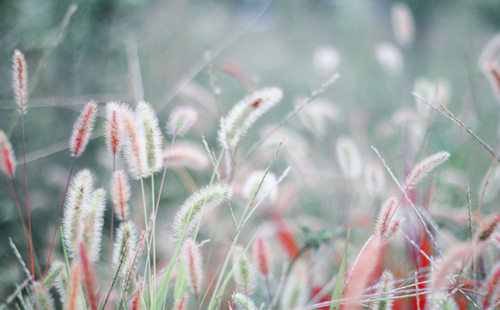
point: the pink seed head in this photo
(261, 256)
(488, 227)
(387, 224)
(8, 162)
(120, 194)
(20, 80)
(112, 128)
(194, 261)
(181, 120)
(83, 129)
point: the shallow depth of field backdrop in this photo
(156, 50)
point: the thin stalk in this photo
(154, 235)
(60, 213)
(148, 263)
(112, 231)
(18, 207)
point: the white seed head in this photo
(55, 270)
(7, 157)
(187, 154)
(375, 180)
(192, 210)
(194, 260)
(134, 144)
(245, 113)
(243, 302)
(82, 129)
(93, 221)
(296, 292)
(148, 124)
(424, 167)
(387, 222)
(268, 185)
(20, 80)
(349, 158)
(245, 273)
(181, 120)
(79, 197)
(120, 194)
(112, 130)
(442, 301)
(385, 289)
(126, 234)
(390, 58)
(326, 60)
(402, 24)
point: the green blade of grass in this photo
(181, 281)
(339, 284)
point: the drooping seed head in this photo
(387, 223)
(148, 124)
(488, 227)
(79, 196)
(7, 157)
(296, 292)
(268, 185)
(385, 289)
(120, 194)
(424, 167)
(245, 113)
(192, 210)
(126, 234)
(181, 120)
(82, 129)
(261, 256)
(194, 260)
(134, 144)
(349, 158)
(55, 270)
(243, 302)
(187, 154)
(244, 274)
(402, 24)
(112, 130)
(20, 80)
(93, 221)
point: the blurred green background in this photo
(92, 54)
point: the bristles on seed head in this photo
(78, 200)
(194, 260)
(181, 120)
(442, 301)
(43, 299)
(385, 289)
(72, 300)
(89, 278)
(296, 292)
(488, 227)
(112, 128)
(424, 167)
(93, 221)
(120, 194)
(490, 289)
(349, 159)
(402, 24)
(7, 158)
(125, 245)
(387, 223)
(187, 154)
(182, 304)
(261, 256)
(83, 129)
(55, 270)
(245, 113)
(20, 80)
(243, 302)
(244, 271)
(148, 124)
(134, 144)
(192, 210)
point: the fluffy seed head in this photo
(442, 301)
(245, 113)
(349, 158)
(72, 300)
(244, 271)
(93, 220)
(182, 304)
(191, 211)
(55, 270)
(113, 127)
(134, 144)
(268, 185)
(402, 24)
(78, 200)
(20, 80)
(424, 167)
(8, 161)
(120, 194)
(387, 223)
(488, 227)
(326, 60)
(126, 234)
(43, 299)
(296, 292)
(261, 256)
(243, 302)
(148, 123)
(194, 260)
(89, 278)
(374, 180)
(187, 154)
(385, 288)
(83, 129)
(390, 58)
(181, 120)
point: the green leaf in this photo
(181, 281)
(339, 284)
